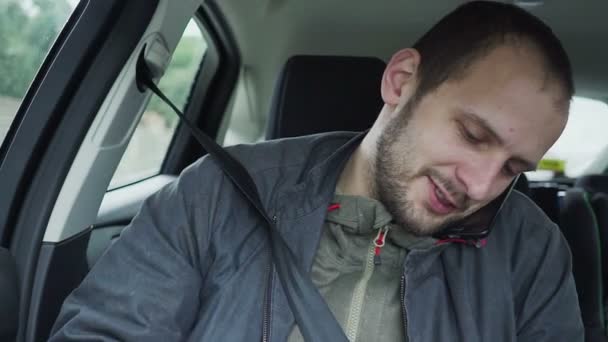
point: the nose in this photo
(480, 177)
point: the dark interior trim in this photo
(215, 82)
(9, 296)
(56, 284)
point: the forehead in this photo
(510, 90)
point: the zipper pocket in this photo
(403, 309)
(268, 295)
(267, 304)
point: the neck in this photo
(357, 178)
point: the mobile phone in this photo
(478, 225)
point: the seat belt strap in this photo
(313, 316)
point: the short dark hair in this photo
(473, 30)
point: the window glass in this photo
(580, 145)
(27, 32)
(242, 125)
(146, 151)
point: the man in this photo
(479, 99)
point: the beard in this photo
(394, 168)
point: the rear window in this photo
(582, 145)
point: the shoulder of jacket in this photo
(289, 151)
(524, 223)
(299, 152)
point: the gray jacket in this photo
(194, 264)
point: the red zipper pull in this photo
(379, 242)
(333, 206)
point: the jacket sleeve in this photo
(146, 286)
(550, 310)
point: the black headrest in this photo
(580, 230)
(593, 183)
(317, 94)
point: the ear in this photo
(399, 79)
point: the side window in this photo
(147, 148)
(242, 126)
(27, 32)
(583, 143)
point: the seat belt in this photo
(315, 320)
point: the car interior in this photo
(266, 69)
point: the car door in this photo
(71, 174)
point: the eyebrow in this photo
(481, 122)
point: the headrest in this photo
(593, 183)
(317, 94)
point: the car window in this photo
(582, 143)
(147, 148)
(243, 124)
(27, 32)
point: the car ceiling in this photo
(267, 32)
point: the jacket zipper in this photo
(403, 309)
(379, 243)
(373, 258)
(268, 297)
(267, 303)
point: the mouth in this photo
(440, 201)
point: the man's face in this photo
(458, 147)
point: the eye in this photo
(468, 135)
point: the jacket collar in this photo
(318, 183)
(301, 210)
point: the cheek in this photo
(438, 144)
(418, 190)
